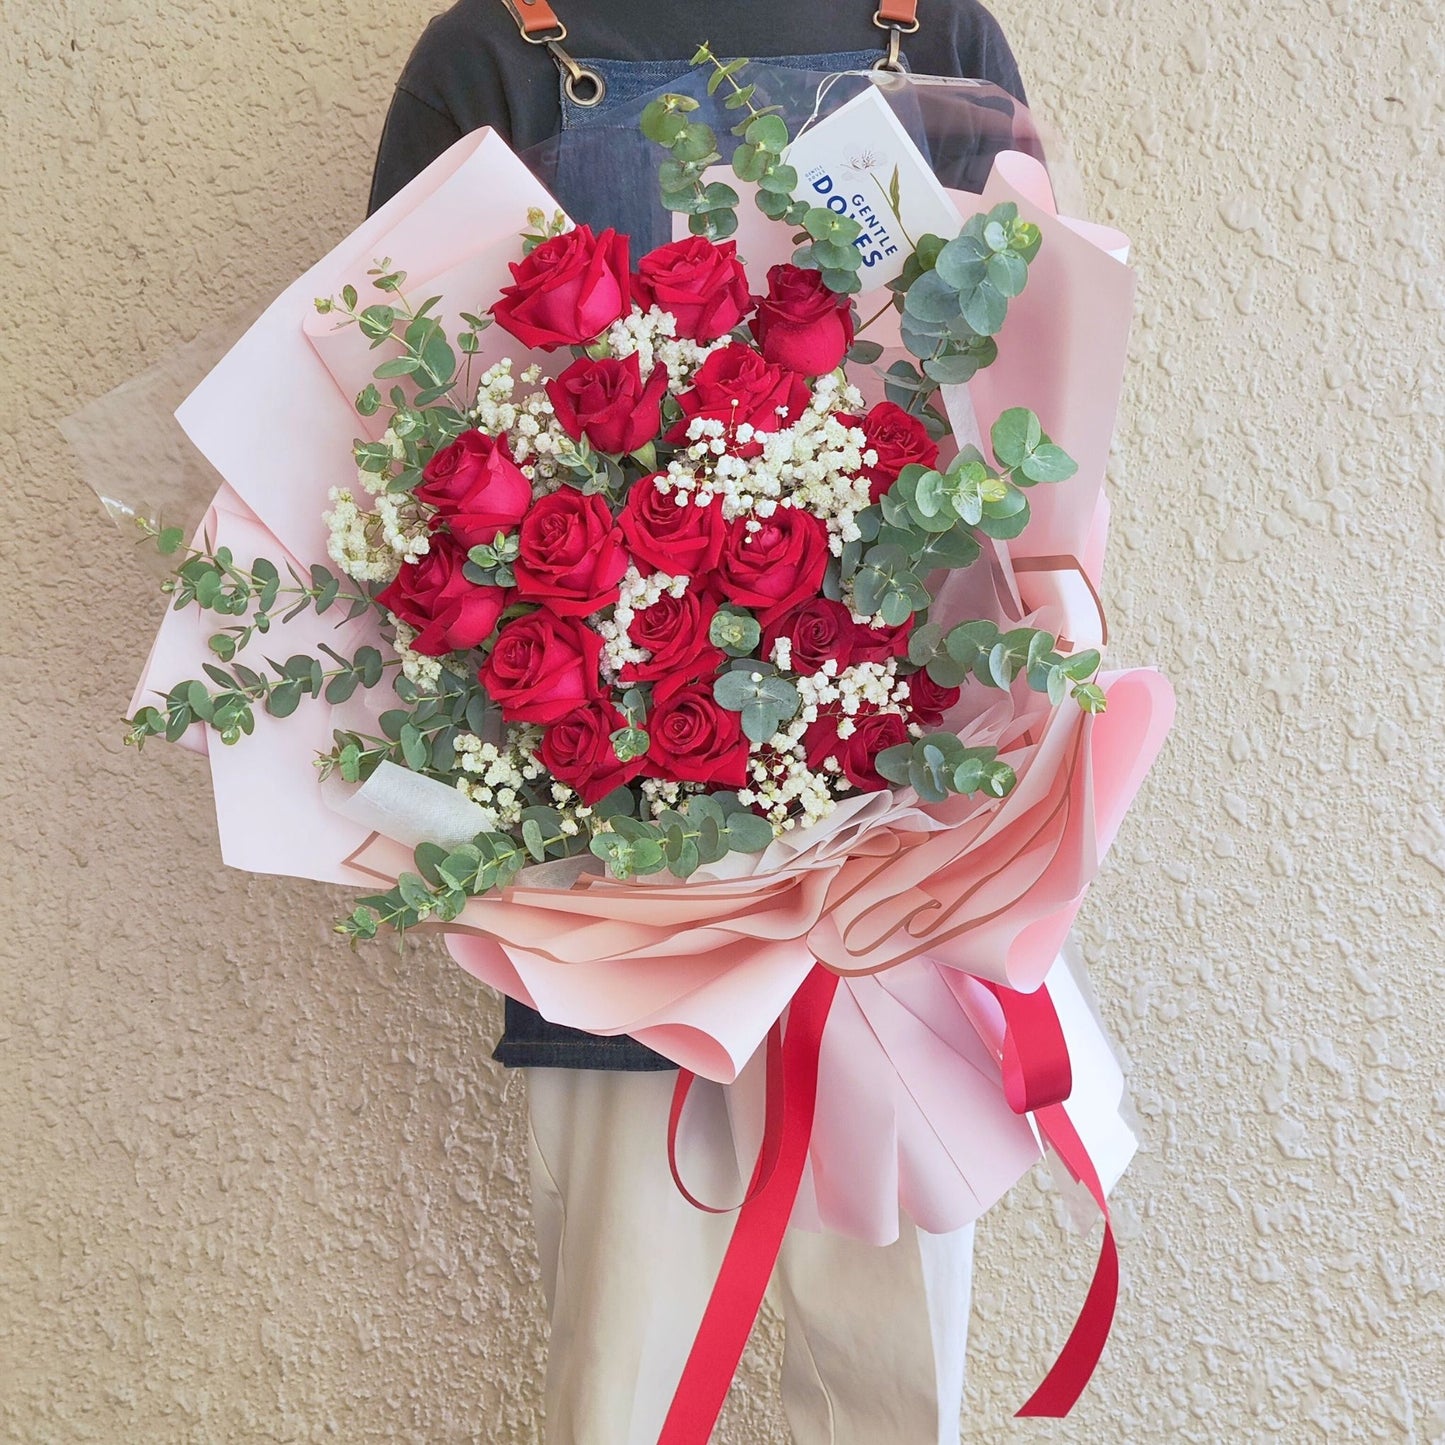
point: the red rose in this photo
(674, 631)
(542, 667)
(927, 701)
(476, 487)
(878, 644)
(662, 536)
(820, 631)
(694, 740)
(570, 554)
(899, 439)
(568, 291)
(448, 612)
(800, 323)
(606, 402)
(577, 750)
(776, 567)
(700, 282)
(735, 385)
(857, 753)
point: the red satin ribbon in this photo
(772, 1128)
(1037, 1079)
(758, 1236)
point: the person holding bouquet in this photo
(875, 1337)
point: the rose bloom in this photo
(899, 439)
(776, 567)
(695, 740)
(856, 754)
(701, 282)
(577, 750)
(542, 667)
(448, 612)
(878, 644)
(927, 701)
(606, 402)
(819, 629)
(663, 537)
(476, 488)
(800, 323)
(674, 631)
(735, 385)
(570, 554)
(568, 291)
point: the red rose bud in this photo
(701, 282)
(694, 740)
(476, 487)
(606, 402)
(819, 630)
(577, 750)
(928, 702)
(878, 644)
(776, 567)
(448, 612)
(664, 537)
(568, 291)
(856, 754)
(800, 323)
(542, 668)
(675, 631)
(570, 554)
(900, 440)
(735, 385)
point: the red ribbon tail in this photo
(1063, 1385)
(762, 1222)
(767, 1160)
(1037, 1078)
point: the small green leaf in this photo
(1015, 435)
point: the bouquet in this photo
(732, 701)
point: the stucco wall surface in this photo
(253, 1187)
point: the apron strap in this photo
(898, 18)
(538, 24)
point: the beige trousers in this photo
(875, 1338)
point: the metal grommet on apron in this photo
(539, 25)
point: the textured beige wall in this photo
(254, 1188)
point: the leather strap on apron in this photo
(898, 18)
(539, 25)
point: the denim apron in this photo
(589, 195)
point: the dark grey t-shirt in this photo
(471, 68)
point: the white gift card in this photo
(860, 162)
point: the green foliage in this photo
(701, 830)
(939, 765)
(735, 631)
(764, 699)
(228, 711)
(996, 659)
(711, 207)
(954, 296)
(491, 563)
